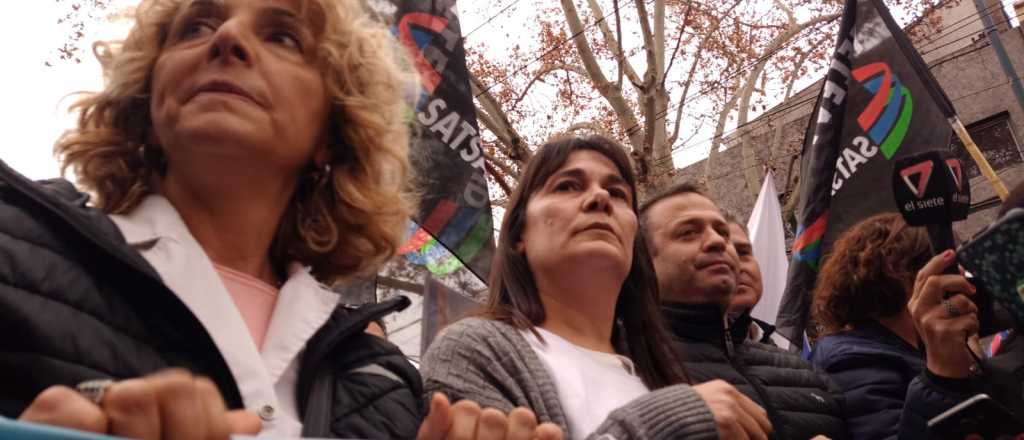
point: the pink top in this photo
(254, 298)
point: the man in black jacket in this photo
(697, 265)
(749, 287)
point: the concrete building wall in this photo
(958, 27)
(979, 88)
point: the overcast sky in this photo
(31, 92)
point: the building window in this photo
(997, 141)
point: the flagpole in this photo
(983, 165)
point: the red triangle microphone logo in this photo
(923, 172)
(957, 171)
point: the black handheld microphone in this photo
(931, 190)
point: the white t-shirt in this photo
(590, 384)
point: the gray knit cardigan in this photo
(491, 363)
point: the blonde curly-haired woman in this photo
(243, 156)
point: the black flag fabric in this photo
(453, 228)
(878, 103)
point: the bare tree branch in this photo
(659, 41)
(498, 178)
(615, 43)
(776, 144)
(790, 17)
(696, 131)
(502, 166)
(698, 58)
(752, 172)
(497, 121)
(500, 131)
(723, 116)
(679, 40)
(499, 202)
(760, 26)
(626, 117)
(620, 58)
(484, 97)
(650, 77)
(493, 126)
(648, 36)
(541, 73)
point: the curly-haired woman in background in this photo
(870, 345)
(244, 155)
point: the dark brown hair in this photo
(513, 294)
(869, 272)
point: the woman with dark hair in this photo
(870, 345)
(572, 329)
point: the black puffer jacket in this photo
(77, 303)
(800, 402)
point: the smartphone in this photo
(996, 257)
(979, 417)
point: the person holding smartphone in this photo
(945, 316)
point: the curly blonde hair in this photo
(344, 224)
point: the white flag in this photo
(769, 241)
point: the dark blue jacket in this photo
(874, 367)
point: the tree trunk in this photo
(656, 153)
(490, 115)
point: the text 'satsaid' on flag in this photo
(453, 228)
